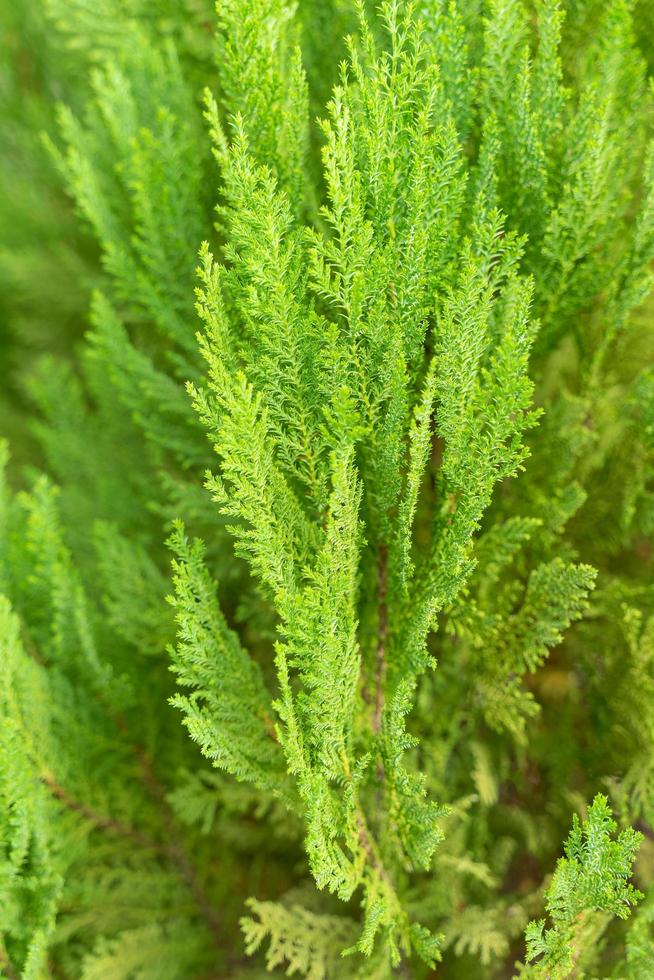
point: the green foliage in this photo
(229, 712)
(31, 879)
(401, 452)
(592, 877)
(299, 940)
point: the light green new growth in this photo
(315, 352)
(591, 878)
(299, 941)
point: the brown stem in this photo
(99, 821)
(366, 843)
(365, 837)
(55, 969)
(175, 849)
(270, 725)
(644, 829)
(382, 635)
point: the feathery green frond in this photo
(401, 447)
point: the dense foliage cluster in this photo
(326, 556)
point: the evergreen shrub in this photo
(327, 618)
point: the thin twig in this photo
(98, 820)
(365, 839)
(271, 731)
(176, 850)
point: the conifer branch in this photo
(110, 824)
(173, 847)
(390, 647)
(176, 849)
